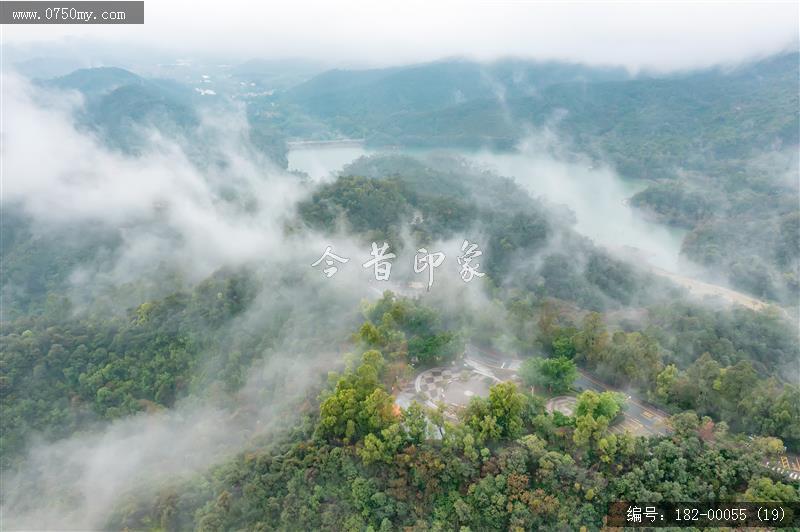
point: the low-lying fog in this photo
(596, 195)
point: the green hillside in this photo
(186, 354)
(717, 144)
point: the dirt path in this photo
(696, 287)
(704, 289)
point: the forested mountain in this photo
(376, 195)
(646, 126)
(718, 145)
(120, 106)
(504, 463)
(123, 110)
(368, 98)
(174, 359)
(95, 81)
(449, 198)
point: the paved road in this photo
(490, 359)
(638, 418)
(787, 464)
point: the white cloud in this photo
(61, 175)
(168, 210)
(664, 35)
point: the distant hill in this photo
(121, 105)
(361, 100)
(646, 126)
(95, 81)
(714, 143)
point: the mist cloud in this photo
(643, 35)
(196, 220)
(164, 207)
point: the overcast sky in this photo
(644, 34)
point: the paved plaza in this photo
(564, 404)
(453, 386)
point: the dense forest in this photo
(297, 378)
(449, 196)
(717, 146)
(724, 373)
(504, 463)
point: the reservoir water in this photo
(322, 161)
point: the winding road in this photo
(696, 287)
(703, 289)
(638, 418)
